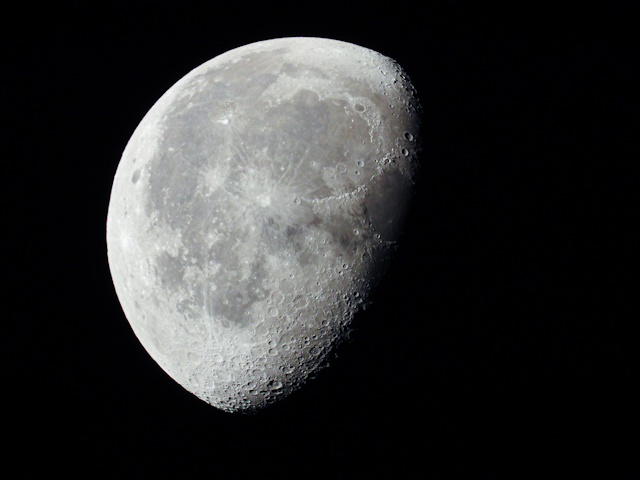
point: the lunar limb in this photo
(254, 208)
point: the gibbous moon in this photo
(255, 207)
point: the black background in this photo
(504, 341)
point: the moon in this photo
(254, 208)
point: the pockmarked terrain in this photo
(254, 208)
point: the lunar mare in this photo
(254, 208)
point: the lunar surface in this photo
(254, 208)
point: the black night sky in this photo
(504, 340)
